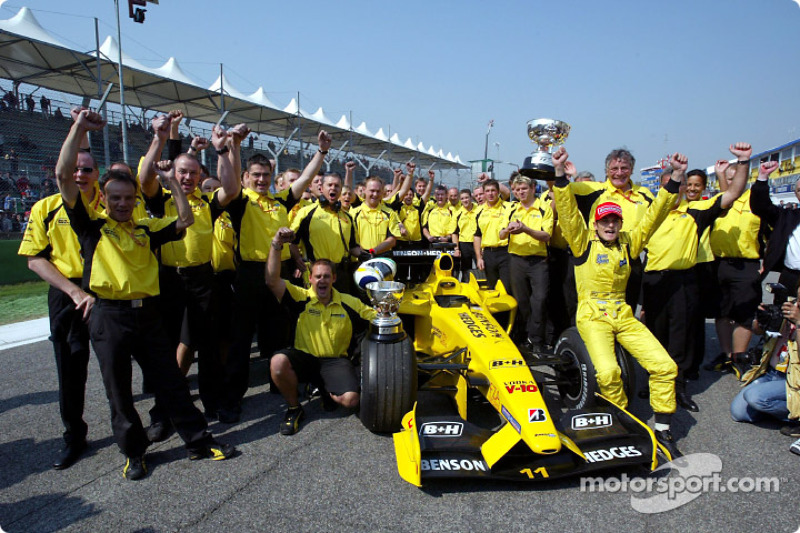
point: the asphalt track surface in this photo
(336, 476)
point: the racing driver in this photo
(602, 269)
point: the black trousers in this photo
(633, 291)
(189, 293)
(119, 331)
(562, 300)
(707, 307)
(530, 285)
(497, 266)
(671, 307)
(467, 259)
(70, 337)
(256, 310)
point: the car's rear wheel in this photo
(577, 370)
(580, 373)
(625, 362)
(388, 383)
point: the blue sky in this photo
(690, 76)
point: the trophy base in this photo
(533, 167)
(386, 329)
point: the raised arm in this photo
(760, 203)
(719, 169)
(226, 164)
(426, 194)
(85, 121)
(663, 204)
(573, 226)
(273, 269)
(185, 217)
(313, 166)
(147, 175)
(742, 151)
(349, 172)
(408, 179)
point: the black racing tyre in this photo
(578, 371)
(625, 362)
(479, 274)
(388, 383)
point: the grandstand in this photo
(34, 63)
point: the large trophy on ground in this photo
(545, 133)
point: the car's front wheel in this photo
(388, 383)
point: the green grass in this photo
(23, 301)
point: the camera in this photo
(770, 317)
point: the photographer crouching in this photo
(772, 388)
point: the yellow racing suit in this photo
(601, 274)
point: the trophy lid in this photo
(547, 131)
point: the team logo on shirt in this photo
(110, 233)
(602, 259)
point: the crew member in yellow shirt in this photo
(439, 223)
(491, 250)
(121, 272)
(528, 230)
(377, 226)
(670, 291)
(465, 229)
(256, 214)
(619, 188)
(738, 240)
(324, 322)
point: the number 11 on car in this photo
(541, 471)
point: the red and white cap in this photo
(606, 209)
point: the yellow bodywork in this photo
(494, 365)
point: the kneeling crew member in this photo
(325, 321)
(602, 268)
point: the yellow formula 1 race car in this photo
(446, 374)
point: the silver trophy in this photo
(385, 297)
(545, 133)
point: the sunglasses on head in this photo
(85, 170)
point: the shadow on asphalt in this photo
(32, 398)
(38, 457)
(71, 510)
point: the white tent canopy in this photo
(29, 54)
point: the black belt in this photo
(190, 270)
(532, 257)
(739, 260)
(128, 304)
(495, 249)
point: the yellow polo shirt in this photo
(674, 245)
(119, 257)
(323, 331)
(49, 235)
(466, 222)
(736, 232)
(195, 248)
(324, 232)
(489, 222)
(440, 221)
(256, 218)
(223, 256)
(634, 202)
(538, 217)
(373, 226)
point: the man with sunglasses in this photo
(53, 253)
